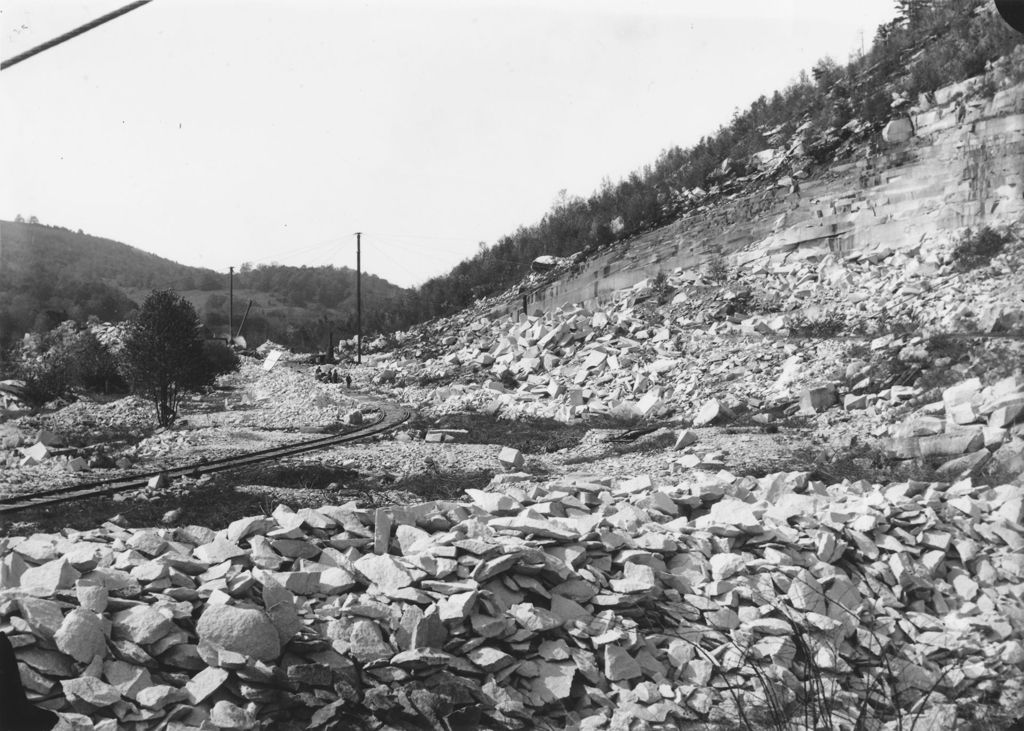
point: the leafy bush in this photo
(54, 363)
(976, 250)
(221, 358)
(164, 355)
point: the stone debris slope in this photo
(689, 347)
(572, 602)
(969, 429)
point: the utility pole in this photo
(244, 316)
(231, 302)
(359, 299)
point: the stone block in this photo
(818, 398)
(511, 459)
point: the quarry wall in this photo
(959, 165)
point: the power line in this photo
(72, 33)
(285, 254)
(467, 257)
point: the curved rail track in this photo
(389, 419)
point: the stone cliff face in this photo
(955, 161)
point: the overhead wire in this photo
(292, 253)
(73, 33)
(387, 238)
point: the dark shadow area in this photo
(528, 435)
(226, 497)
(303, 476)
(648, 443)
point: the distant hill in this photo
(50, 273)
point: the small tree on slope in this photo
(163, 353)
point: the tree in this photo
(163, 353)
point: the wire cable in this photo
(72, 34)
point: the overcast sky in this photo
(217, 132)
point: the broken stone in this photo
(818, 398)
(511, 459)
(81, 636)
(90, 690)
(712, 412)
(238, 629)
(141, 624)
(51, 577)
(619, 664)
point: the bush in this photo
(830, 324)
(660, 288)
(221, 358)
(977, 249)
(717, 271)
(68, 357)
(164, 355)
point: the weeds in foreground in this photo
(890, 689)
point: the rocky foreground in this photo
(574, 602)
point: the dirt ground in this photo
(392, 468)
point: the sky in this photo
(218, 132)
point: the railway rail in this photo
(389, 419)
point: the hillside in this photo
(826, 118)
(50, 273)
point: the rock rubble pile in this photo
(729, 342)
(578, 601)
(289, 399)
(971, 427)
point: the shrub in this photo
(976, 250)
(717, 270)
(828, 325)
(54, 363)
(220, 357)
(164, 355)
(660, 288)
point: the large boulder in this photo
(898, 130)
(247, 631)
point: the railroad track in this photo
(44, 498)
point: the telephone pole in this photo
(231, 302)
(359, 299)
